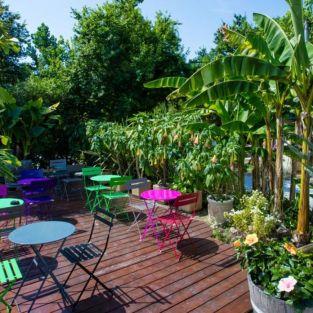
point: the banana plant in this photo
(287, 63)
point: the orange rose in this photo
(290, 248)
(237, 244)
(251, 239)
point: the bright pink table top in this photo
(160, 195)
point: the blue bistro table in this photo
(39, 234)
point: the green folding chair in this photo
(114, 194)
(9, 274)
(92, 189)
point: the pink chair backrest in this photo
(3, 191)
(190, 198)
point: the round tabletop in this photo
(28, 181)
(103, 178)
(160, 194)
(41, 233)
(6, 203)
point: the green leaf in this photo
(277, 40)
(236, 126)
(166, 82)
(296, 10)
(4, 140)
(252, 45)
(223, 90)
(6, 97)
(231, 68)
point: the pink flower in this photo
(287, 284)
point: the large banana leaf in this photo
(223, 90)
(296, 10)
(252, 44)
(275, 37)
(231, 68)
(166, 82)
(236, 126)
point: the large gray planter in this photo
(263, 303)
(216, 209)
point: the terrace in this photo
(206, 279)
(139, 175)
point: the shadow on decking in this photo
(196, 248)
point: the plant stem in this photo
(278, 199)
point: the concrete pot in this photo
(263, 303)
(216, 209)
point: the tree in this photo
(116, 50)
(12, 69)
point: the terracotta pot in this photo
(263, 303)
(216, 209)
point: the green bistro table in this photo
(102, 179)
(7, 205)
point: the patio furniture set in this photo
(104, 193)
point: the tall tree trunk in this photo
(304, 204)
(241, 174)
(294, 165)
(256, 168)
(269, 149)
(278, 199)
(264, 175)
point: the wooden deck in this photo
(207, 279)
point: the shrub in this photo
(253, 216)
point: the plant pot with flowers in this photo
(280, 276)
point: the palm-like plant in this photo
(285, 66)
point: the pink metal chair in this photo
(176, 223)
(3, 191)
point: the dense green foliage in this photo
(101, 71)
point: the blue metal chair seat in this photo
(81, 252)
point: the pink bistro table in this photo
(164, 195)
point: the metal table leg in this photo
(44, 268)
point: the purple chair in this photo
(32, 173)
(39, 194)
(3, 191)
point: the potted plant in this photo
(190, 174)
(219, 181)
(280, 277)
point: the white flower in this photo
(287, 284)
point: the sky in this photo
(199, 18)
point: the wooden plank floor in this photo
(207, 279)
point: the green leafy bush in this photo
(253, 216)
